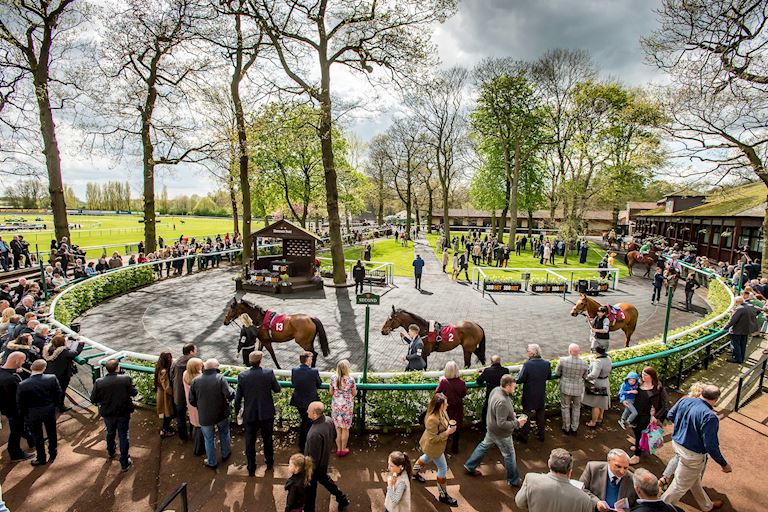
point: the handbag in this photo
(651, 439)
(591, 389)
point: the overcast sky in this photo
(523, 29)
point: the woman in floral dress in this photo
(343, 391)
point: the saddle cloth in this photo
(615, 314)
(438, 332)
(273, 322)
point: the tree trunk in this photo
(530, 224)
(380, 216)
(430, 205)
(513, 193)
(233, 200)
(764, 258)
(493, 222)
(51, 152)
(502, 221)
(242, 143)
(615, 215)
(446, 218)
(408, 198)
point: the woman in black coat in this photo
(651, 404)
(249, 337)
(60, 363)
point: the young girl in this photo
(398, 497)
(300, 467)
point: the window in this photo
(716, 237)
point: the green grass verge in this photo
(386, 250)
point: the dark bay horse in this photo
(469, 336)
(588, 306)
(649, 260)
(302, 328)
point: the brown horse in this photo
(302, 328)
(649, 260)
(589, 307)
(469, 335)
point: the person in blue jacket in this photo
(627, 394)
(418, 267)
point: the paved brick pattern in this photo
(191, 309)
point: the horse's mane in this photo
(416, 317)
(252, 306)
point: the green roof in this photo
(725, 203)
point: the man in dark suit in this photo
(37, 397)
(320, 441)
(609, 482)
(113, 393)
(306, 381)
(491, 378)
(9, 385)
(256, 386)
(647, 488)
(533, 376)
(179, 397)
(16, 250)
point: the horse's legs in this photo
(467, 358)
(314, 358)
(271, 351)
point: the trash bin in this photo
(583, 285)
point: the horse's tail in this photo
(480, 350)
(320, 333)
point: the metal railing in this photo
(480, 276)
(180, 491)
(370, 266)
(701, 356)
(747, 379)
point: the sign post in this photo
(368, 299)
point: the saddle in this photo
(615, 314)
(434, 331)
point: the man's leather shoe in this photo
(52, 455)
(38, 462)
(717, 504)
(127, 466)
(209, 466)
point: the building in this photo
(628, 216)
(598, 221)
(717, 226)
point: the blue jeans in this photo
(630, 413)
(440, 462)
(210, 444)
(739, 346)
(119, 425)
(507, 450)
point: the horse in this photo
(588, 306)
(301, 328)
(649, 260)
(469, 335)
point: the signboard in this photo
(369, 299)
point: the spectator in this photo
(102, 266)
(445, 259)
(113, 394)
(300, 468)
(651, 404)
(669, 472)
(211, 394)
(454, 389)
(61, 364)
(418, 268)
(5, 321)
(398, 497)
(607, 483)
(320, 440)
(164, 393)
(436, 431)
(343, 392)
(194, 370)
(90, 270)
(26, 305)
(306, 381)
(647, 489)
(743, 322)
(627, 394)
(249, 336)
(572, 371)
(534, 376)
(188, 351)
(37, 397)
(9, 385)
(501, 424)
(256, 386)
(490, 377)
(695, 438)
(23, 344)
(116, 261)
(40, 337)
(553, 492)
(690, 288)
(358, 274)
(597, 392)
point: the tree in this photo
(357, 35)
(376, 169)
(439, 107)
(488, 187)
(34, 39)
(26, 194)
(147, 56)
(716, 55)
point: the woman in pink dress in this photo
(343, 391)
(194, 369)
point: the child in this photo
(398, 497)
(300, 467)
(669, 471)
(627, 395)
(415, 348)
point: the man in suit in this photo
(9, 385)
(490, 378)
(179, 397)
(256, 386)
(113, 394)
(321, 439)
(37, 397)
(610, 481)
(572, 370)
(553, 492)
(646, 486)
(534, 376)
(306, 381)
(16, 250)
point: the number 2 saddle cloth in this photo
(438, 332)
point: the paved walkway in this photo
(83, 480)
(191, 309)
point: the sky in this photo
(523, 29)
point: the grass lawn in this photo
(526, 260)
(386, 250)
(103, 230)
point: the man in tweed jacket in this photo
(572, 370)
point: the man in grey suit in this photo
(572, 370)
(610, 481)
(553, 492)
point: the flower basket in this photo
(603, 286)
